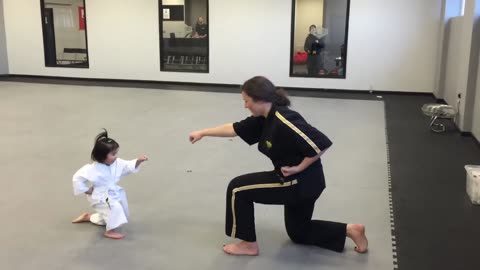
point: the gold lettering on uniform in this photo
(268, 144)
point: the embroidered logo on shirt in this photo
(268, 144)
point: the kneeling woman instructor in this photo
(297, 181)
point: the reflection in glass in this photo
(319, 38)
(184, 35)
(64, 33)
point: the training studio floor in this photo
(177, 200)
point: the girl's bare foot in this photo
(357, 233)
(113, 235)
(85, 217)
(242, 248)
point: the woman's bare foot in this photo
(113, 235)
(85, 217)
(357, 233)
(242, 248)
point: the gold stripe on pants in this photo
(250, 187)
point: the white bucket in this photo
(473, 183)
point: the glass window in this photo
(64, 33)
(184, 35)
(319, 38)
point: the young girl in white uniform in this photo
(99, 181)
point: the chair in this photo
(437, 112)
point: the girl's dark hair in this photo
(262, 89)
(312, 26)
(103, 146)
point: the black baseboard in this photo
(462, 133)
(162, 84)
(470, 134)
(476, 140)
(107, 80)
(441, 101)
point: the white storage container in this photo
(473, 183)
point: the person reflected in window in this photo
(201, 28)
(314, 46)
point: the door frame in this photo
(87, 64)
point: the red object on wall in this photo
(81, 18)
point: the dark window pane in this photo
(184, 36)
(319, 38)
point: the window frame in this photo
(42, 12)
(292, 46)
(161, 47)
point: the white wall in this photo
(391, 47)
(3, 44)
(453, 60)
(472, 69)
(476, 97)
(461, 64)
(476, 111)
(450, 9)
(464, 122)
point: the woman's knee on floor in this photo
(297, 235)
(297, 230)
